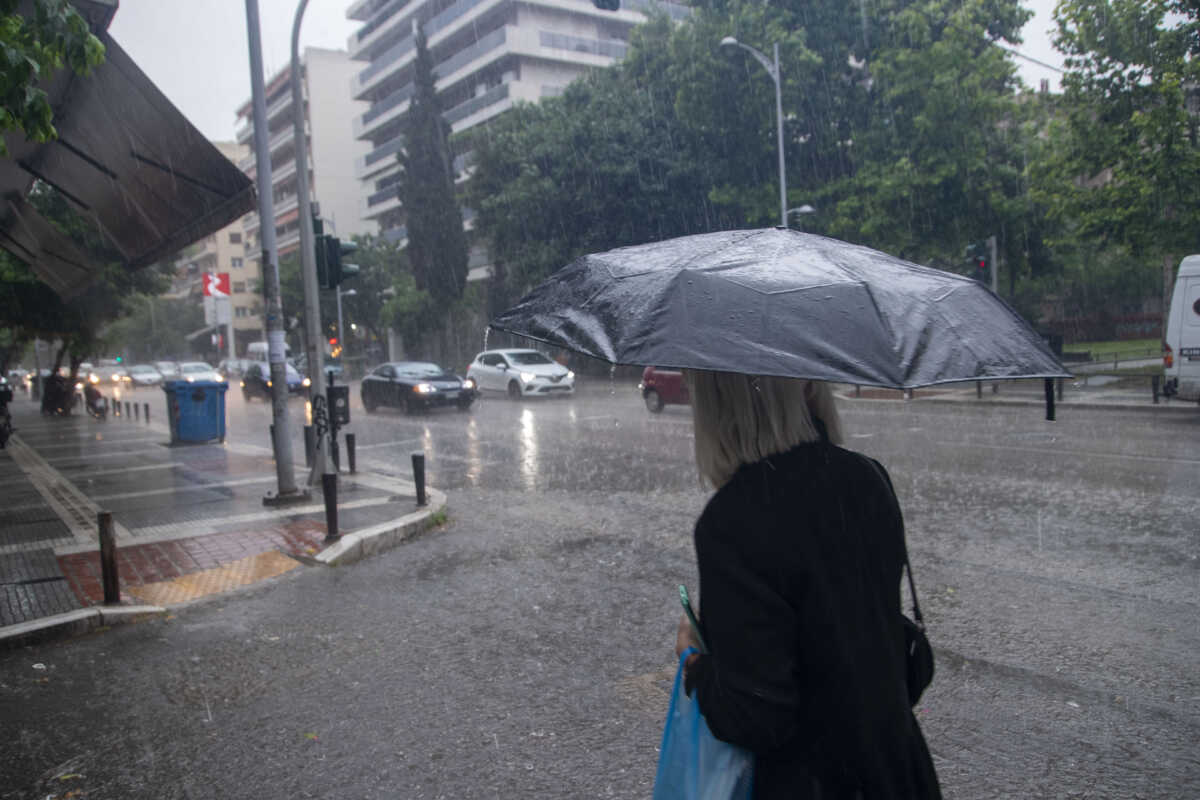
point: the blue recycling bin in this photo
(195, 411)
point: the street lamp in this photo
(772, 70)
(802, 210)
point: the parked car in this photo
(661, 387)
(521, 373)
(144, 375)
(234, 367)
(416, 386)
(256, 381)
(192, 371)
(168, 369)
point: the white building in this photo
(488, 55)
(333, 150)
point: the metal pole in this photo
(995, 266)
(418, 465)
(321, 462)
(109, 575)
(281, 443)
(341, 334)
(778, 78)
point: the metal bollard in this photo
(1049, 386)
(978, 390)
(857, 390)
(105, 399)
(1155, 386)
(329, 489)
(146, 416)
(310, 444)
(418, 464)
(109, 575)
(137, 412)
(350, 453)
(128, 412)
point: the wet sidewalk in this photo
(189, 520)
(1083, 391)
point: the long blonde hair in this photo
(740, 419)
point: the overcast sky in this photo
(195, 51)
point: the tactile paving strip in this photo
(213, 581)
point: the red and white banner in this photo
(216, 284)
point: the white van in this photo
(1181, 352)
(258, 351)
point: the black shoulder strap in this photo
(912, 586)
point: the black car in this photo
(415, 386)
(256, 381)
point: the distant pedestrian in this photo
(800, 553)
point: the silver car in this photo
(521, 373)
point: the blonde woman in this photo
(800, 552)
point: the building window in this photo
(239, 287)
(235, 238)
(240, 311)
(235, 262)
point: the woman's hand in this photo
(685, 637)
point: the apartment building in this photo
(488, 55)
(333, 151)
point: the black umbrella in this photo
(786, 303)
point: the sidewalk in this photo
(1083, 391)
(189, 521)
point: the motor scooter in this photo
(94, 402)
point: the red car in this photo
(662, 386)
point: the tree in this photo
(152, 327)
(437, 245)
(32, 48)
(380, 265)
(1124, 161)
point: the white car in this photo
(520, 373)
(144, 375)
(192, 371)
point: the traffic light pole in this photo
(322, 463)
(281, 441)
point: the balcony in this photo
(577, 44)
(388, 148)
(475, 104)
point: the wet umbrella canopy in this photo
(781, 302)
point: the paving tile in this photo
(28, 566)
(24, 602)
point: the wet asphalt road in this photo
(524, 648)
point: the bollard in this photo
(310, 444)
(105, 399)
(128, 412)
(418, 464)
(978, 390)
(137, 412)
(329, 489)
(857, 390)
(146, 415)
(1049, 385)
(1154, 386)
(116, 407)
(109, 575)
(350, 453)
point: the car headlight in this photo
(79, 386)
(424, 388)
(242, 384)
(570, 375)
(468, 384)
(528, 377)
(116, 378)
(269, 384)
(306, 382)
(93, 378)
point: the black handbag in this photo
(918, 653)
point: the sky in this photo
(196, 51)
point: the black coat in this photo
(800, 561)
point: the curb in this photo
(358, 545)
(72, 623)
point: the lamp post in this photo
(772, 70)
(802, 210)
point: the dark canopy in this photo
(127, 159)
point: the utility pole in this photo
(281, 440)
(995, 266)
(323, 457)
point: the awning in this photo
(126, 158)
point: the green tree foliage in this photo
(32, 48)
(437, 245)
(380, 265)
(1124, 164)
(152, 328)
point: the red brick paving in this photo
(160, 561)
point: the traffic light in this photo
(977, 260)
(607, 5)
(332, 269)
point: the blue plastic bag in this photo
(693, 764)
